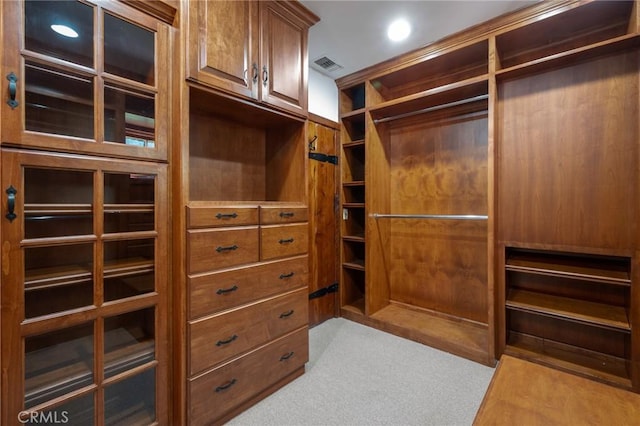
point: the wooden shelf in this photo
(610, 369)
(353, 183)
(63, 377)
(57, 209)
(597, 314)
(129, 208)
(568, 267)
(354, 144)
(42, 278)
(435, 98)
(353, 205)
(570, 57)
(353, 238)
(354, 264)
(355, 114)
(453, 335)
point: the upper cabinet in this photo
(85, 77)
(257, 50)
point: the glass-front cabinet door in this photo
(85, 77)
(84, 267)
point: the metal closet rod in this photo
(430, 216)
(433, 108)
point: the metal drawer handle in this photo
(220, 249)
(286, 314)
(286, 214)
(287, 241)
(226, 385)
(227, 215)
(286, 356)
(289, 275)
(226, 342)
(227, 290)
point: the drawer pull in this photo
(286, 214)
(286, 314)
(289, 275)
(226, 342)
(226, 386)
(287, 241)
(220, 249)
(227, 290)
(286, 356)
(227, 215)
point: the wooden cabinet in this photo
(567, 241)
(84, 143)
(500, 168)
(84, 291)
(103, 89)
(415, 200)
(257, 50)
(241, 233)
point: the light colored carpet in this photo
(358, 375)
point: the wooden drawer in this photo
(220, 337)
(282, 214)
(216, 291)
(211, 249)
(215, 393)
(208, 217)
(283, 240)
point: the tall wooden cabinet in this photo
(241, 234)
(500, 210)
(84, 298)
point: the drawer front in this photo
(283, 240)
(215, 339)
(217, 291)
(212, 249)
(214, 394)
(272, 215)
(209, 217)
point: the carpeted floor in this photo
(358, 375)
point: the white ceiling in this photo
(352, 33)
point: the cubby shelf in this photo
(597, 314)
(570, 57)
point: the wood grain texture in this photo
(522, 392)
(215, 248)
(324, 249)
(568, 152)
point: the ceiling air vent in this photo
(327, 64)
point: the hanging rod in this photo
(430, 216)
(433, 108)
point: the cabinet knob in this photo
(254, 72)
(265, 76)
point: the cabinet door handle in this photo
(265, 76)
(220, 249)
(284, 276)
(226, 386)
(227, 215)
(254, 71)
(11, 203)
(227, 290)
(287, 241)
(286, 214)
(286, 314)
(13, 90)
(226, 342)
(244, 77)
(286, 356)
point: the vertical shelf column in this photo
(352, 199)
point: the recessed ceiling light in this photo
(64, 30)
(399, 30)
